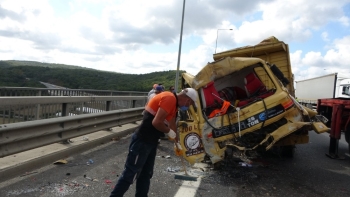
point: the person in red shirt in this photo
(159, 117)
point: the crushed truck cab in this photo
(245, 107)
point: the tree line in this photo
(29, 74)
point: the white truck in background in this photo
(335, 85)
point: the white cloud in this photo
(135, 36)
(336, 59)
(324, 36)
(344, 20)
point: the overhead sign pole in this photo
(179, 55)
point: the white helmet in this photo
(192, 93)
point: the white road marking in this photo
(188, 188)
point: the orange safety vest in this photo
(222, 111)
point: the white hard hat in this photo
(192, 93)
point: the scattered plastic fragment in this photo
(89, 162)
(108, 181)
(61, 161)
(87, 177)
(245, 164)
(169, 169)
(167, 157)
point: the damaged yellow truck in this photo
(246, 106)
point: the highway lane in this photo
(309, 173)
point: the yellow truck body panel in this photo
(270, 50)
(262, 113)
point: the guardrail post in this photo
(38, 93)
(108, 105)
(108, 108)
(37, 113)
(64, 113)
(64, 109)
(81, 108)
(133, 104)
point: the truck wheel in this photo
(288, 151)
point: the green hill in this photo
(29, 74)
(41, 64)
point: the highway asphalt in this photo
(309, 173)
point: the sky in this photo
(138, 36)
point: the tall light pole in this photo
(217, 34)
(179, 55)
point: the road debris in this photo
(115, 138)
(61, 161)
(108, 181)
(89, 162)
(244, 164)
(28, 173)
(176, 169)
(167, 157)
(91, 179)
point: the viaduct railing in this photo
(26, 91)
(21, 109)
(31, 107)
(29, 122)
(22, 136)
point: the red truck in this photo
(337, 111)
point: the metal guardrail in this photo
(310, 103)
(26, 91)
(18, 137)
(29, 108)
(33, 121)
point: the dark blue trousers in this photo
(138, 166)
